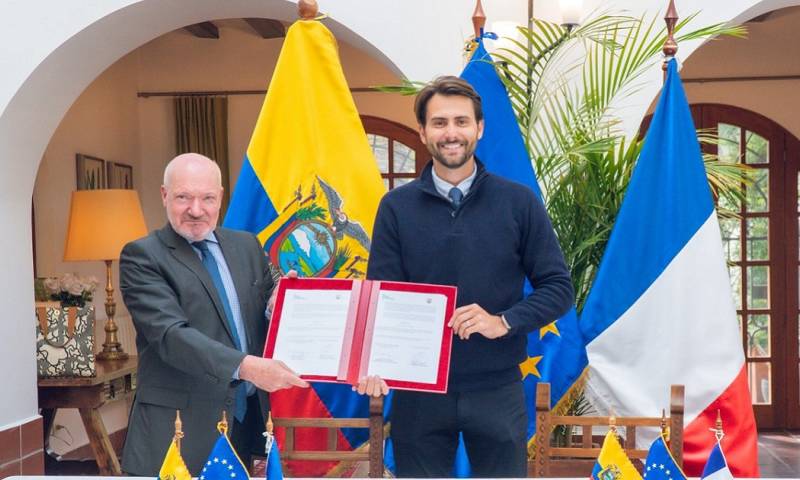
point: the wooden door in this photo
(763, 258)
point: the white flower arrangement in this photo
(71, 290)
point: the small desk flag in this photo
(173, 467)
(223, 463)
(660, 465)
(613, 463)
(716, 467)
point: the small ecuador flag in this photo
(613, 464)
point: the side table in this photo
(114, 381)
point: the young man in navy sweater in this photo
(458, 224)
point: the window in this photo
(400, 154)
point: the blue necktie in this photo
(455, 195)
(213, 270)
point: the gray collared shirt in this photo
(443, 187)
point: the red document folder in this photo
(367, 312)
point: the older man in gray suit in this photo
(198, 297)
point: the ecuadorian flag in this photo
(174, 467)
(613, 463)
(309, 189)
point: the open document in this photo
(338, 330)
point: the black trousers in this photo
(425, 430)
(247, 436)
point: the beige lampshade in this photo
(101, 222)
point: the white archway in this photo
(64, 58)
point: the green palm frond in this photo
(563, 85)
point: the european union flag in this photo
(556, 352)
(223, 463)
(501, 149)
(660, 465)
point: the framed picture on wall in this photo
(90, 172)
(119, 175)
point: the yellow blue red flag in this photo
(174, 467)
(309, 189)
(613, 463)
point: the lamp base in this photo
(112, 348)
(111, 355)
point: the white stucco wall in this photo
(50, 50)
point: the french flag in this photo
(717, 467)
(660, 311)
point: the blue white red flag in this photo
(716, 467)
(660, 311)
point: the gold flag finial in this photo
(718, 432)
(222, 425)
(670, 45)
(612, 420)
(178, 428)
(478, 19)
(307, 9)
(664, 427)
(269, 438)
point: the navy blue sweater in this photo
(499, 236)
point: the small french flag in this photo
(716, 467)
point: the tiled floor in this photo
(779, 454)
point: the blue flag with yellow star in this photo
(223, 463)
(556, 353)
(660, 465)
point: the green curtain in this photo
(201, 126)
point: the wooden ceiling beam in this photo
(266, 27)
(203, 30)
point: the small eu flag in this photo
(660, 465)
(223, 463)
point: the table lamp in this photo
(101, 222)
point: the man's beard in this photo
(452, 163)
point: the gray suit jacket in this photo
(187, 356)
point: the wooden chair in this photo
(373, 453)
(578, 459)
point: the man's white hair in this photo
(191, 158)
